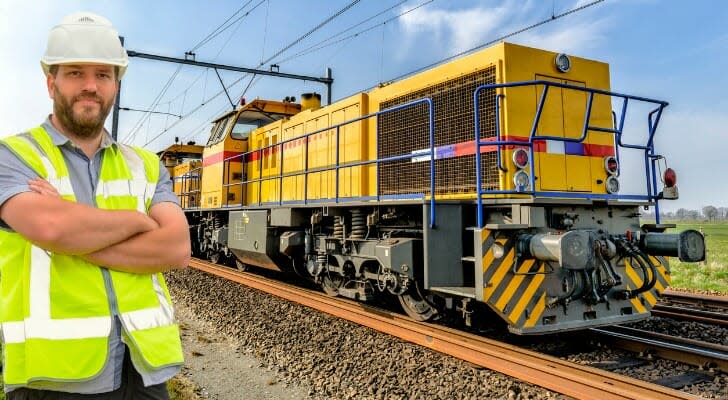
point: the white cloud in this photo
(460, 29)
(568, 36)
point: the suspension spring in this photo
(339, 228)
(358, 224)
(322, 259)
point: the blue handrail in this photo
(338, 165)
(652, 120)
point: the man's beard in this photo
(83, 126)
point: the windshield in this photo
(242, 128)
(217, 133)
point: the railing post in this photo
(305, 170)
(478, 183)
(431, 109)
(280, 176)
(336, 174)
(260, 176)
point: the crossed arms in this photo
(117, 239)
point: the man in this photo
(86, 227)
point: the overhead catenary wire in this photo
(312, 30)
(311, 50)
(299, 40)
(141, 121)
(334, 36)
(222, 27)
(504, 37)
(290, 45)
(203, 104)
(154, 104)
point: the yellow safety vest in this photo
(54, 309)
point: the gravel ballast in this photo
(314, 355)
(333, 358)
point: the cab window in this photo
(217, 132)
(242, 129)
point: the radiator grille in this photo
(406, 131)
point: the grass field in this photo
(711, 275)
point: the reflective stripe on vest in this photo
(61, 182)
(39, 325)
(138, 187)
(149, 318)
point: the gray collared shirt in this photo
(84, 175)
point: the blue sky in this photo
(670, 50)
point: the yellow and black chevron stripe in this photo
(517, 297)
(645, 301)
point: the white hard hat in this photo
(84, 38)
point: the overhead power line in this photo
(225, 26)
(504, 37)
(314, 29)
(152, 106)
(219, 30)
(316, 47)
(299, 40)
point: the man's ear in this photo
(50, 83)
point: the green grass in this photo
(713, 273)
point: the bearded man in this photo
(87, 225)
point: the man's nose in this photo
(89, 83)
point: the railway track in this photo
(546, 371)
(693, 307)
(708, 356)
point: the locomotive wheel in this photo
(417, 307)
(331, 285)
(241, 266)
(213, 256)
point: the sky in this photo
(670, 50)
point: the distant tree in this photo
(722, 212)
(710, 212)
(693, 215)
(668, 215)
(681, 213)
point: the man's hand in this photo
(41, 186)
(167, 247)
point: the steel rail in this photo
(549, 372)
(719, 302)
(710, 309)
(690, 351)
(690, 314)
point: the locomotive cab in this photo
(223, 155)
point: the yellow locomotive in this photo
(490, 182)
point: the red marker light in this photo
(520, 158)
(670, 177)
(611, 165)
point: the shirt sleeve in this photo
(164, 191)
(14, 177)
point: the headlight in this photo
(522, 181)
(612, 185)
(563, 63)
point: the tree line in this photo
(707, 213)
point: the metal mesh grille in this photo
(406, 131)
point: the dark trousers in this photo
(132, 388)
